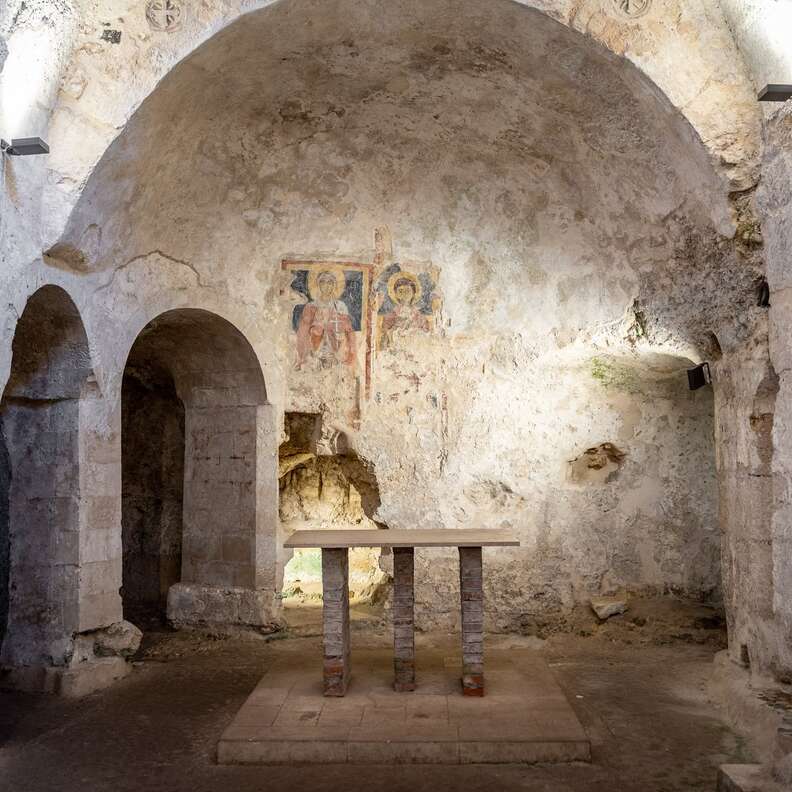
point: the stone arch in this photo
(41, 482)
(733, 134)
(211, 545)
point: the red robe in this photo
(328, 326)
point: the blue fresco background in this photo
(424, 304)
(352, 296)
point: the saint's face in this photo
(404, 294)
(326, 288)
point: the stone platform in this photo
(523, 718)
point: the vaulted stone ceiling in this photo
(520, 154)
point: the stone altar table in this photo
(335, 546)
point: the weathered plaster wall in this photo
(566, 213)
(761, 31)
(745, 417)
(573, 207)
(774, 649)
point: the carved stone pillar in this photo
(335, 592)
(472, 595)
(403, 618)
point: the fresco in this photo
(331, 317)
(406, 302)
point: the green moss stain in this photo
(615, 375)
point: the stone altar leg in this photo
(403, 619)
(472, 594)
(335, 611)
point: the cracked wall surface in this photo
(773, 642)
(575, 187)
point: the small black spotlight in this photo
(24, 146)
(774, 92)
(763, 296)
(699, 376)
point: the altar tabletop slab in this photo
(433, 537)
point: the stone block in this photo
(335, 610)
(403, 614)
(283, 752)
(472, 599)
(99, 610)
(605, 607)
(121, 639)
(98, 577)
(746, 778)
(389, 753)
(237, 549)
(70, 682)
(498, 751)
(191, 604)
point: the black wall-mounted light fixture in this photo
(24, 146)
(763, 294)
(775, 92)
(699, 376)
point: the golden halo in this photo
(401, 275)
(313, 285)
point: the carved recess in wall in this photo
(164, 15)
(632, 8)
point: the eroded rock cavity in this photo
(318, 492)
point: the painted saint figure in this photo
(325, 333)
(404, 309)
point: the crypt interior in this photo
(396, 395)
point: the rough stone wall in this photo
(318, 494)
(220, 496)
(648, 524)
(227, 523)
(774, 648)
(44, 515)
(745, 413)
(153, 483)
(90, 50)
(5, 544)
(760, 31)
(41, 424)
(558, 200)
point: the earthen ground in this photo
(644, 708)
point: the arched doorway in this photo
(152, 490)
(40, 486)
(199, 460)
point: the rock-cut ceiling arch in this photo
(477, 132)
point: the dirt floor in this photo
(638, 685)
